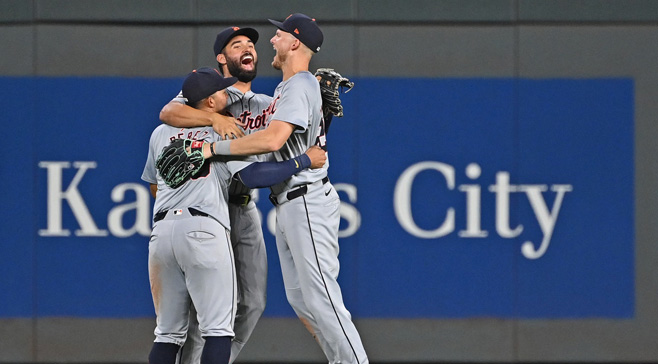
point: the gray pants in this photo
(191, 261)
(251, 269)
(307, 242)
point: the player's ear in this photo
(221, 59)
(215, 102)
(210, 102)
(295, 44)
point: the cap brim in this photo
(277, 24)
(229, 81)
(223, 84)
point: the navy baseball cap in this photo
(204, 82)
(229, 33)
(303, 28)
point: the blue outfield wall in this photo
(509, 198)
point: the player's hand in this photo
(317, 156)
(226, 126)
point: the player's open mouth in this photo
(247, 59)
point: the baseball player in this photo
(236, 55)
(307, 205)
(190, 253)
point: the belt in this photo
(297, 192)
(194, 212)
(241, 200)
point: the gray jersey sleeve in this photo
(236, 165)
(179, 98)
(150, 173)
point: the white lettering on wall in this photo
(57, 195)
(141, 206)
(71, 195)
(502, 190)
(546, 221)
(402, 200)
(473, 198)
(545, 215)
(347, 211)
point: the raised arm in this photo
(183, 116)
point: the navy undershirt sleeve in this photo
(266, 174)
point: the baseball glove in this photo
(330, 84)
(178, 161)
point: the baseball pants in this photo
(251, 270)
(307, 242)
(191, 261)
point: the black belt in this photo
(194, 212)
(241, 200)
(297, 192)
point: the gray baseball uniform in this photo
(246, 230)
(190, 253)
(246, 236)
(307, 210)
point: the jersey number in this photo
(321, 140)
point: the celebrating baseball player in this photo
(190, 254)
(236, 56)
(307, 205)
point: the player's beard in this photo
(278, 60)
(235, 69)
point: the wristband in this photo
(196, 145)
(212, 149)
(223, 147)
(304, 161)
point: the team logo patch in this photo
(178, 212)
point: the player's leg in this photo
(191, 351)
(294, 292)
(206, 256)
(313, 240)
(251, 271)
(217, 349)
(163, 353)
(170, 296)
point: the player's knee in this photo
(260, 302)
(253, 303)
(296, 300)
(320, 306)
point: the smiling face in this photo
(240, 58)
(282, 43)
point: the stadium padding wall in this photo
(495, 165)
